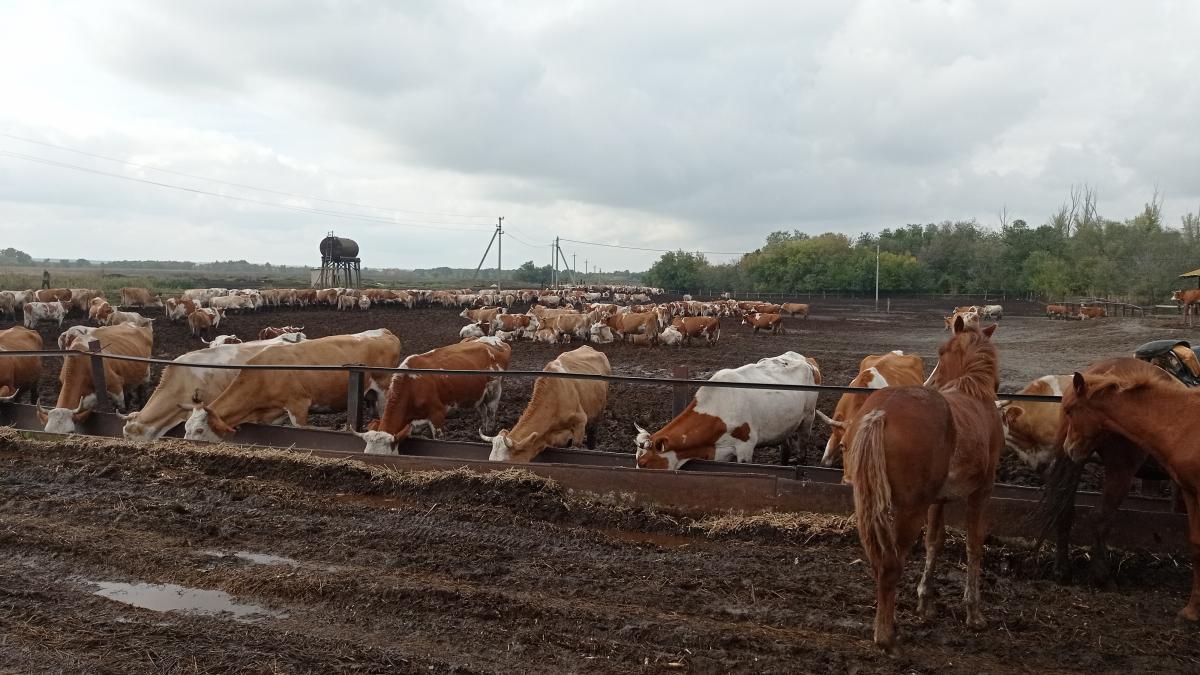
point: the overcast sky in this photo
(659, 125)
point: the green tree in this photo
(677, 270)
(12, 256)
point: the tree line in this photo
(1075, 253)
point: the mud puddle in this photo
(175, 598)
(658, 539)
(270, 559)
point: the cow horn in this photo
(6, 399)
(831, 422)
(128, 417)
(80, 408)
(41, 410)
(485, 437)
(639, 429)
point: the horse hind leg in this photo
(935, 537)
(976, 504)
(888, 570)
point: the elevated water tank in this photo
(339, 247)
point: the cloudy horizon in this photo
(224, 130)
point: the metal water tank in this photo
(339, 247)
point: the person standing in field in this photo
(45, 278)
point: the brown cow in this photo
(893, 369)
(200, 322)
(560, 413)
(421, 400)
(1060, 311)
(482, 314)
(707, 327)
(54, 295)
(794, 308)
(631, 323)
(99, 311)
(139, 297)
(1092, 312)
(77, 396)
(511, 322)
(271, 395)
(770, 322)
(19, 373)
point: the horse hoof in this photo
(1189, 613)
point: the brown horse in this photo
(914, 448)
(1154, 411)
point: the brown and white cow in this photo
(634, 323)
(19, 373)
(970, 317)
(36, 312)
(560, 413)
(78, 394)
(1092, 312)
(227, 339)
(566, 327)
(1031, 428)
(180, 387)
(511, 322)
(767, 322)
(725, 424)
(62, 295)
(894, 369)
(204, 319)
(794, 308)
(271, 332)
(417, 401)
(180, 308)
(1060, 311)
(139, 297)
(707, 327)
(81, 298)
(272, 396)
(71, 334)
(99, 310)
(134, 318)
(482, 314)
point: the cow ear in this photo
(987, 332)
(1011, 413)
(1079, 383)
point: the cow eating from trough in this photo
(19, 373)
(726, 424)
(272, 396)
(78, 394)
(561, 412)
(417, 401)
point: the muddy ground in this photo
(839, 333)
(381, 572)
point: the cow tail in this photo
(867, 469)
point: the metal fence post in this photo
(99, 383)
(354, 400)
(680, 399)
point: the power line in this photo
(233, 184)
(287, 207)
(522, 241)
(653, 250)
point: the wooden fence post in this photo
(680, 397)
(99, 383)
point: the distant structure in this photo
(340, 265)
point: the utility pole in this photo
(573, 268)
(876, 277)
(555, 254)
(499, 245)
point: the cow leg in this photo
(297, 411)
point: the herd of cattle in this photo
(405, 397)
(667, 323)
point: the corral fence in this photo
(702, 486)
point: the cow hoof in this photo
(1189, 614)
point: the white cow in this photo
(671, 336)
(748, 417)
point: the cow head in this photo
(379, 442)
(836, 445)
(653, 453)
(65, 420)
(205, 425)
(505, 449)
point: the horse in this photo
(1154, 411)
(910, 451)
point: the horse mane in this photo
(981, 371)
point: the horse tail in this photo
(872, 490)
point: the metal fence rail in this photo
(628, 379)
